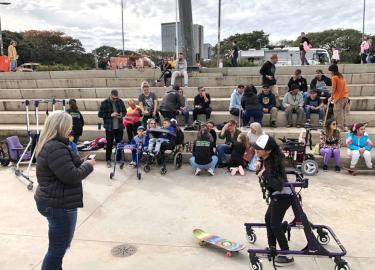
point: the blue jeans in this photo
(61, 226)
(309, 111)
(186, 116)
(221, 150)
(210, 165)
(257, 114)
(13, 65)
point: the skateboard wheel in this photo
(202, 243)
(228, 254)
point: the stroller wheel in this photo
(111, 175)
(30, 187)
(309, 167)
(147, 168)
(178, 160)
(163, 171)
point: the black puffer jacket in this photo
(249, 101)
(59, 172)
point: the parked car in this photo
(27, 67)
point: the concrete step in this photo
(363, 78)
(91, 132)
(91, 117)
(217, 104)
(344, 157)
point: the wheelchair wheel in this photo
(178, 160)
(309, 167)
(147, 168)
(163, 171)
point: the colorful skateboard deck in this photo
(218, 241)
(359, 171)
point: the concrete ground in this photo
(158, 214)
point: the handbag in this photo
(316, 149)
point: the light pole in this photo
(176, 29)
(122, 23)
(218, 35)
(364, 16)
(1, 32)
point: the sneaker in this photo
(109, 164)
(325, 168)
(233, 171)
(283, 260)
(197, 171)
(337, 169)
(273, 124)
(211, 171)
(132, 164)
(241, 170)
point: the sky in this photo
(98, 22)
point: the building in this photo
(168, 36)
(207, 51)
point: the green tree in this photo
(106, 51)
(24, 48)
(245, 41)
(346, 40)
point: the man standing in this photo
(112, 110)
(13, 56)
(235, 100)
(304, 47)
(148, 102)
(234, 54)
(293, 103)
(365, 48)
(268, 71)
(268, 102)
(202, 104)
(181, 70)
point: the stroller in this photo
(315, 241)
(120, 147)
(175, 147)
(295, 153)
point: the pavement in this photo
(158, 214)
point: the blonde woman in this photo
(255, 132)
(59, 172)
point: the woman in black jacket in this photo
(59, 172)
(251, 106)
(271, 172)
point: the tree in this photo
(346, 40)
(24, 48)
(245, 41)
(106, 52)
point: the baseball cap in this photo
(265, 142)
(294, 86)
(266, 85)
(141, 127)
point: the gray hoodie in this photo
(181, 65)
(294, 101)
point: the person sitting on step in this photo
(293, 103)
(359, 144)
(181, 70)
(330, 143)
(313, 105)
(202, 103)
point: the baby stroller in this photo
(4, 155)
(174, 147)
(121, 147)
(317, 236)
(295, 153)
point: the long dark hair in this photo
(203, 134)
(328, 130)
(275, 162)
(73, 105)
(355, 127)
(250, 90)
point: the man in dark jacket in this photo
(268, 71)
(251, 106)
(300, 81)
(171, 103)
(202, 104)
(268, 102)
(320, 83)
(112, 110)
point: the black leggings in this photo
(274, 218)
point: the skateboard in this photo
(218, 241)
(359, 171)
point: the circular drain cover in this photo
(123, 250)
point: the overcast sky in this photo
(98, 22)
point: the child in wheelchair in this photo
(161, 137)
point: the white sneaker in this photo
(211, 171)
(132, 164)
(197, 171)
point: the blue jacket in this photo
(355, 143)
(235, 100)
(143, 141)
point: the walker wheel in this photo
(251, 238)
(30, 187)
(324, 239)
(163, 171)
(111, 175)
(122, 166)
(256, 266)
(139, 175)
(17, 172)
(147, 168)
(229, 254)
(342, 267)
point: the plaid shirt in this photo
(106, 109)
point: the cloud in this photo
(97, 22)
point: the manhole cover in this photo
(123, 250)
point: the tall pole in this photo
(1, 40)
(122, 22)
(176, 29)
(218, 35)
(364, 16)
